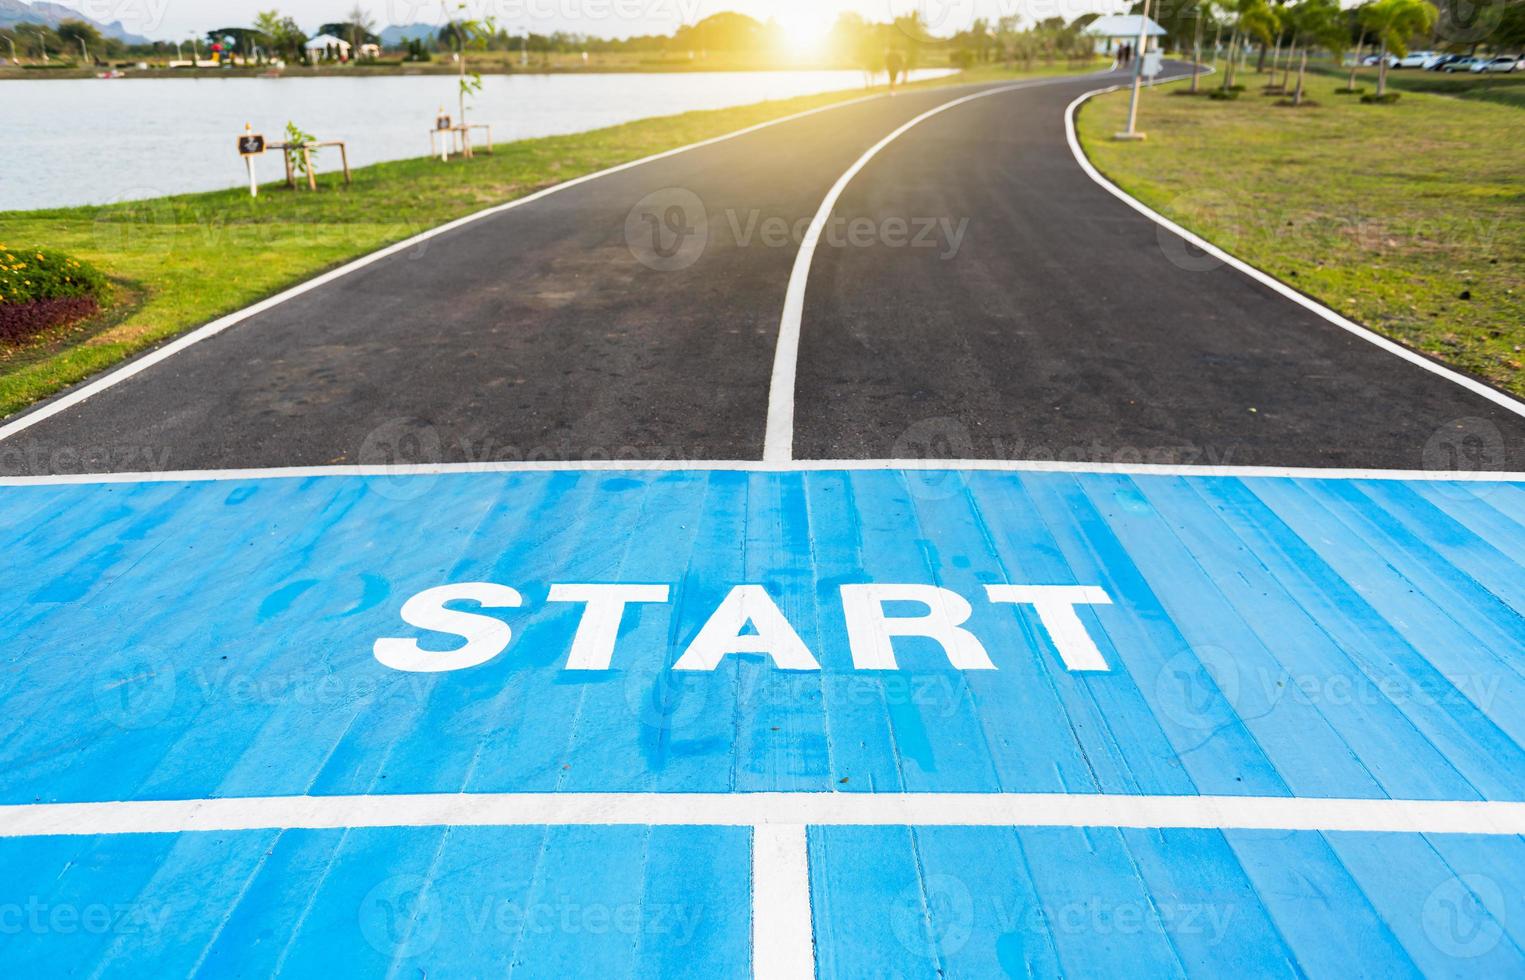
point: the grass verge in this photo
(1407, 218)
(189, 259)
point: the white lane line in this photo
(754, 809)
(64, 402)
(787, 466)
(778, 440)
(783, 933)
(1499, 398)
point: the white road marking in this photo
(754, 809)
(778, 440)
(115, 377)
(783, 934)
(1493, 395)
(741, 466)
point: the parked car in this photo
(1463, 64)
(1440, 61)
(1504, 62)
(1414, 59)
(1372, 59)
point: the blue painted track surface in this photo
(1268, 637)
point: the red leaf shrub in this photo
(22, 321)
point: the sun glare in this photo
(805, 31)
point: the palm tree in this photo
(1393, 23)
(1314, 22)
(1250, 17)
(1355, 64)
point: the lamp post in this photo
(1132, 133)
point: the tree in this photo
(1315, 22)
(282, 34)
(461, 35)
(1394, 23)
(78, 34)
(1247, 18)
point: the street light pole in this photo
(1132, 132)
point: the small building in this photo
(327, 47)
(1115, 29)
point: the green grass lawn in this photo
(179, 262)
(1408, 218)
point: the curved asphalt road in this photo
(977, 296)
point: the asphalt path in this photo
(975, 295)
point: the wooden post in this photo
(312, 178)
(344, 156)
(291, 177)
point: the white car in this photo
(1434, 60)
(1414, 59)
(1462, 64)
(1505, 62)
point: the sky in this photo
(171, 19)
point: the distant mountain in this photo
(395, 36)
(14, 12)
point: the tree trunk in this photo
(1196, 59)
(1275, 60)
(1382, 70)
(1350, 86)
(1302, 68)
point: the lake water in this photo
(92, 141)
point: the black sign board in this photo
(251, 144)
(442, 122)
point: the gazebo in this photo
(1120, 28)
(327, 46)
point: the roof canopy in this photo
(1122, 25)
(324, 41)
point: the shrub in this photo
(1222, 94)
(28, 274)
(41, 289)
(1386, 98)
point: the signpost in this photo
(442, 124)
(447, 132)
(251, 145)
